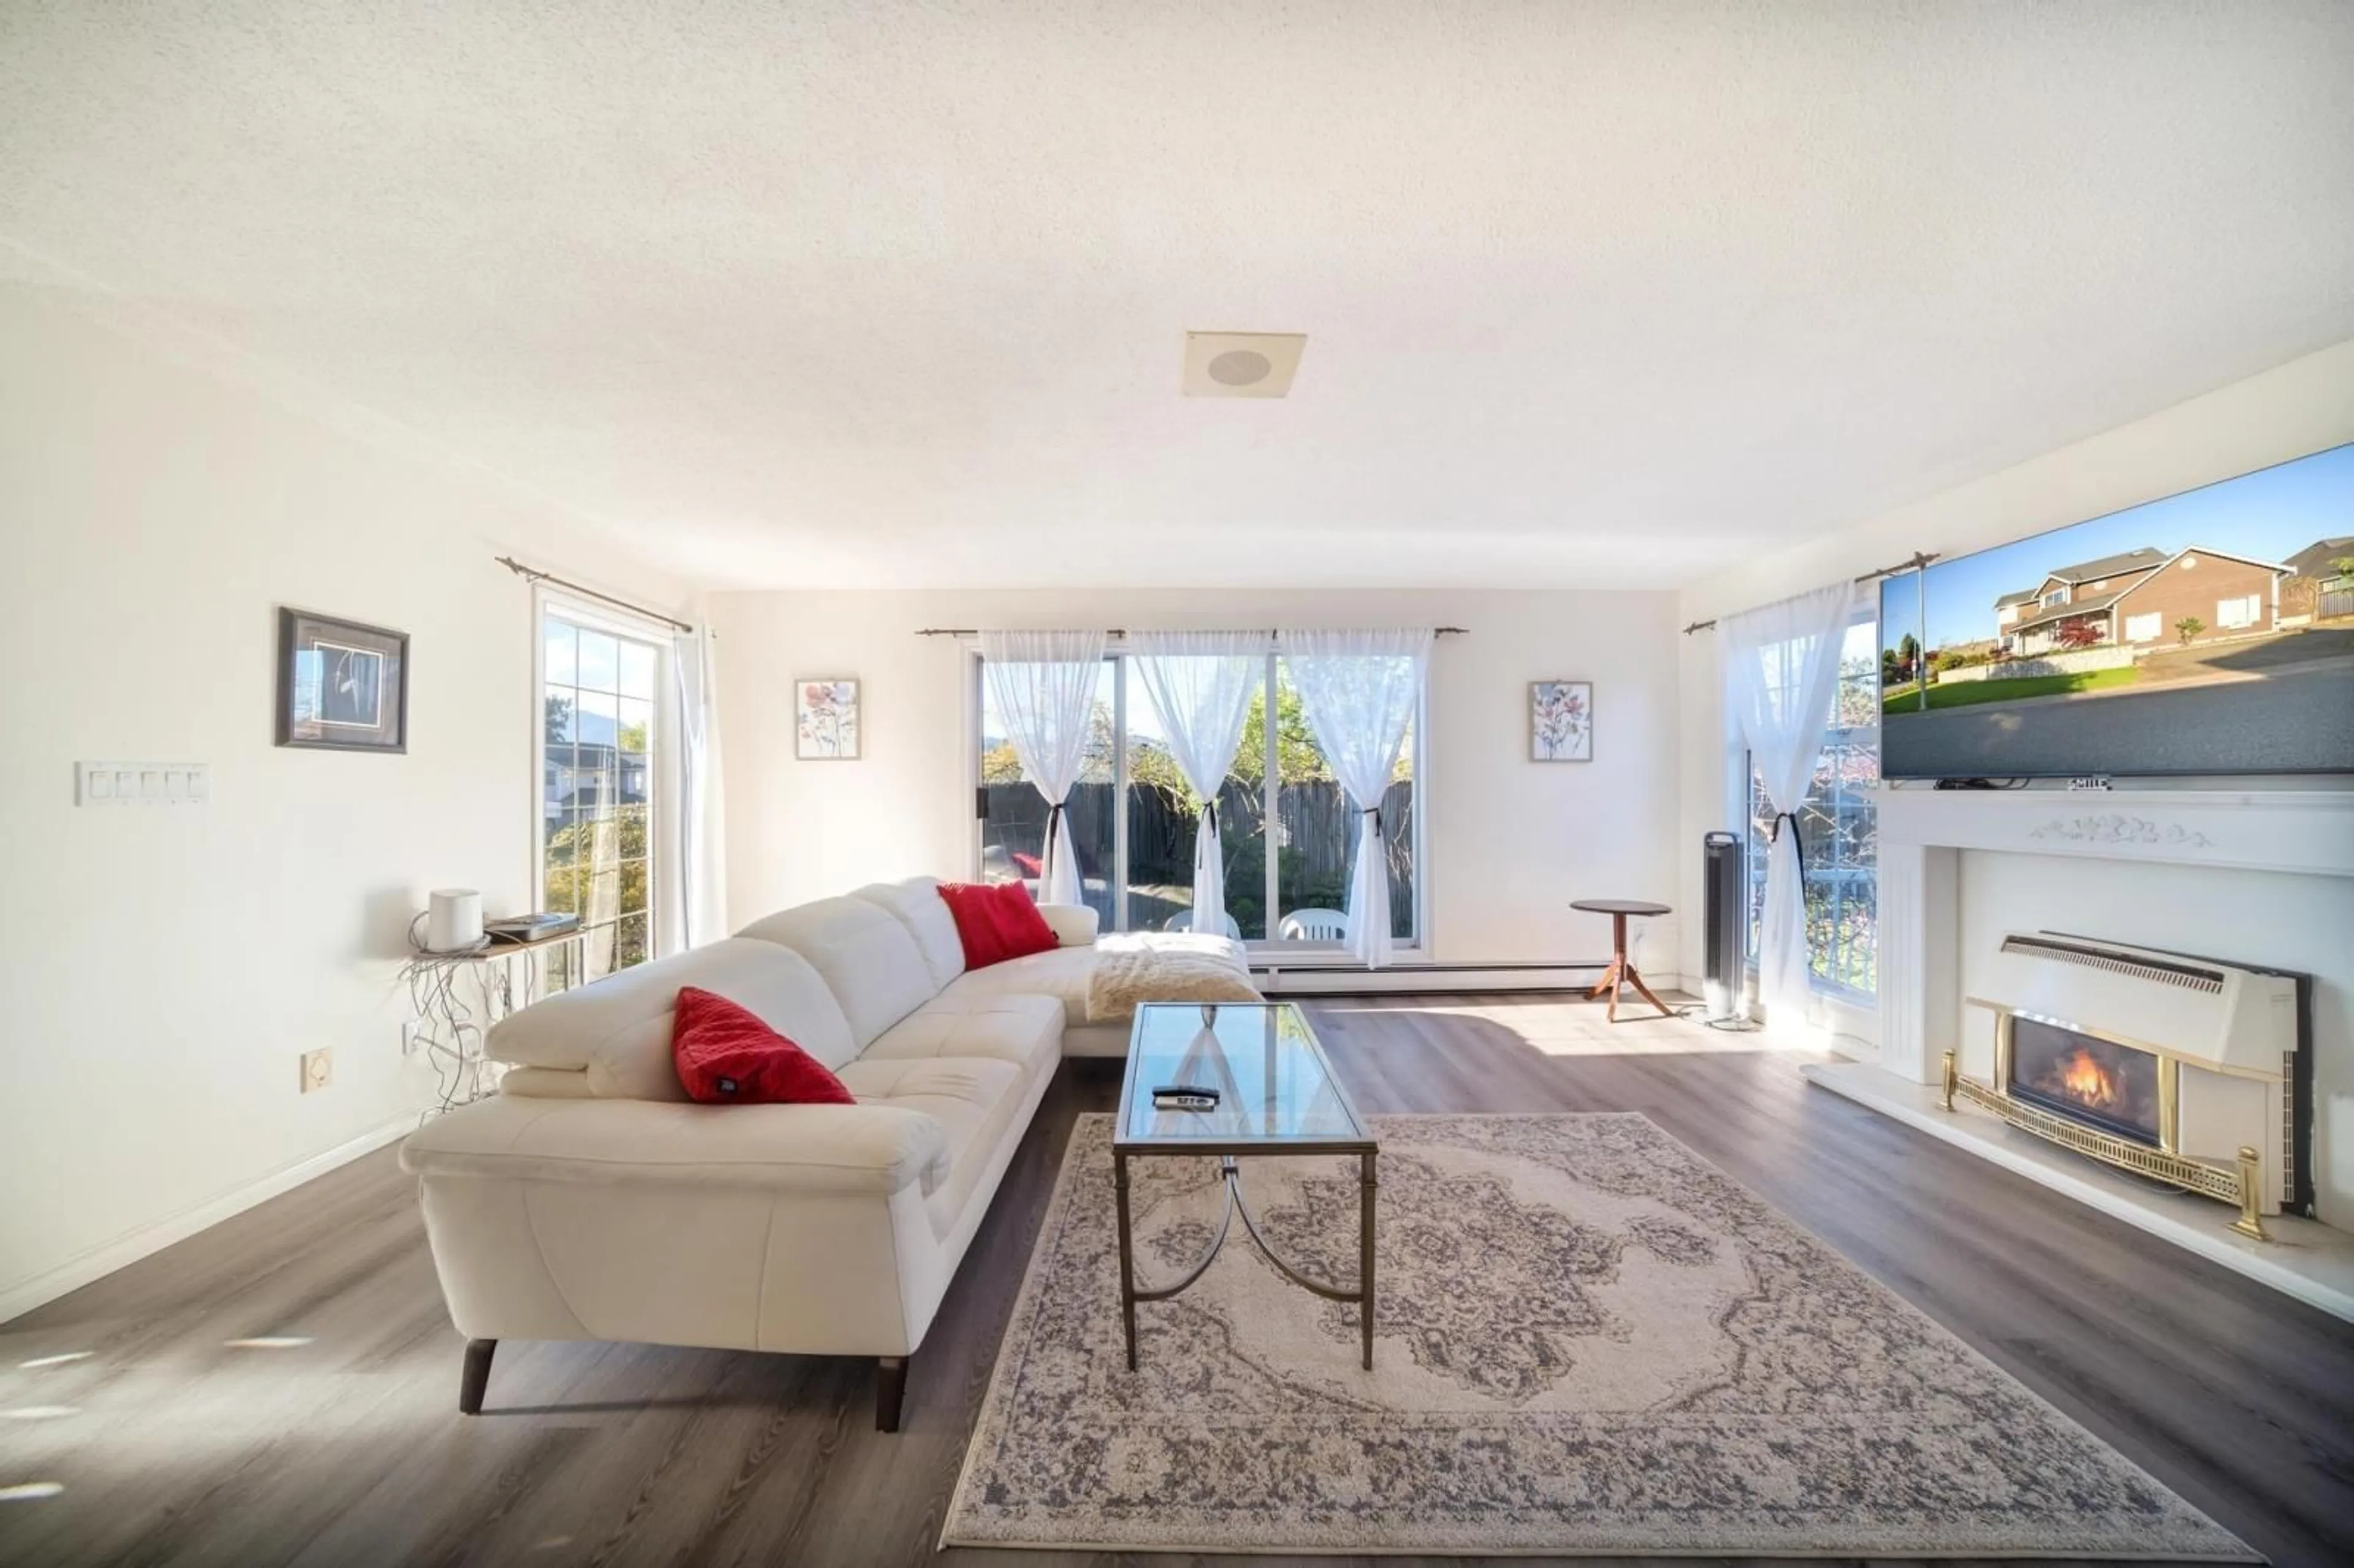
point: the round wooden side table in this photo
(1621, 971)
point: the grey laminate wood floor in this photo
(177, 1445)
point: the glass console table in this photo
(1275, 1095)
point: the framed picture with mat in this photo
(342, 686)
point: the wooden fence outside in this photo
(1318, 841)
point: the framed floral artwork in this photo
(1561, 721)
(825, 721)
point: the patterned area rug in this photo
(1589, 1342)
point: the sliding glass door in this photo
(1288, 829)
(1012, 815)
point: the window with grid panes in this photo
(597, 792)
(1838, 831)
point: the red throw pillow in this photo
(726, 1055)
(996, 921)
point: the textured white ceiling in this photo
(832, 295)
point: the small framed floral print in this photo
(1561, 721)
(825, 720)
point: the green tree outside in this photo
(1299, 760)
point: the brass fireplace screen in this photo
(2108, 1100)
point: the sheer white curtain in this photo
(1043, 684)
(1200, 683)
(1358, 690)
(702, 850)
(1781, 673)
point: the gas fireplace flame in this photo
(2079, 1076)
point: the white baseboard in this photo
(21, 1297)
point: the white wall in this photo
(1511, 841)
(2266, 918)
(2298, 407)
(166, 968)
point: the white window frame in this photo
(666, 906)
(1291, 955)
(2154, 620)
(2249, 606)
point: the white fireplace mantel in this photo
(1923, 834)
(2307, 833)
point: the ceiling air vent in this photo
(1241, 364)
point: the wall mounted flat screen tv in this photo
(2211, 632)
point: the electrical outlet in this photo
(318, 1068)
(412, 1037)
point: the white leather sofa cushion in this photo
(918, 905)
(1098, 1039)
(868, 956)
(1074, 925)
(1022, 1030)
(616, 1032)
(975, 1100)
(1061, 974)
(875, 1147)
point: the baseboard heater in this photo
(1349, 980)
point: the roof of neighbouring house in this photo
(2311, 561)
(2110, 565)
(2021, 597)
(2070, 611)
(2141, 583)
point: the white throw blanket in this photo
(1165, 966)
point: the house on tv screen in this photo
(2141, 599)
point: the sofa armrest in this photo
(1074, 925)
(814, 1148)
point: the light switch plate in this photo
(143, 783)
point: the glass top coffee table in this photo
(1275, 1093)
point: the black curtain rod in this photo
(1116, 631)
(533, 575)
(1920, 559)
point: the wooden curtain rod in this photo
(1116, 631)
(533, 575)
(1920, 558)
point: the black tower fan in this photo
(1727, 930)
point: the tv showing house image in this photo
(2211, 632)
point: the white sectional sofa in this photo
(590, 1198)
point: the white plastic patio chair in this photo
(1314, 925)
(1183, 921)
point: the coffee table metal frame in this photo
(1228, 1150)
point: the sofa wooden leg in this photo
(890, 1388)
(476, 1377)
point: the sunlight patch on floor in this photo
(1581, 1029)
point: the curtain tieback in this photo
(1202, 839)
(1046, 861)
(1797, 841)
(1375, 813)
